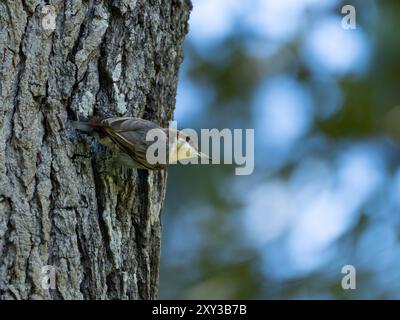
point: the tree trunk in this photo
(60, 205)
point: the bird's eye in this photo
(187, 138)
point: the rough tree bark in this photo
(59, 205)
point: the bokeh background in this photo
(325, 192)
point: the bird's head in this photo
(182, 147)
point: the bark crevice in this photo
(60, 205)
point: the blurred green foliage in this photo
(206, 252)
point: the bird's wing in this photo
(129, 134)
(123, 124)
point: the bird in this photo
(126, 137)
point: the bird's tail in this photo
(87, 126)
(83, 126)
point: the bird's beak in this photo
(203, 155)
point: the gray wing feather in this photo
(129, 134)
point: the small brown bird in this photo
(126, 136)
